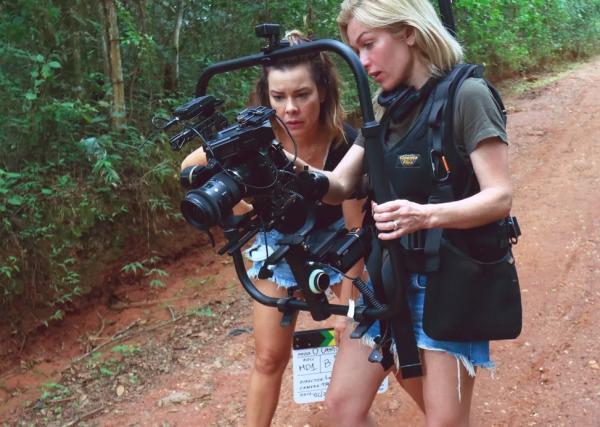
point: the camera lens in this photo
(206, 206)
(195, 176)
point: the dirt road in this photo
(181, 356)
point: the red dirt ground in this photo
(550, 375)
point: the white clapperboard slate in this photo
(313, 354)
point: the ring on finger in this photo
(396, 225)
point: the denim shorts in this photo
(267, 242)
(471, 353)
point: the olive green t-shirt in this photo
(476, 117)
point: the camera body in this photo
(246, 162)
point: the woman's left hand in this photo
(399, 217)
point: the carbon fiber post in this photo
(447, 16)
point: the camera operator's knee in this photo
(269, 362)
(334, 404)
(344, 409)
(447, 390)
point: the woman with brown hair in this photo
(304, 92)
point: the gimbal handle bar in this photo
(371, 130)
(265, 58)
(292, 303)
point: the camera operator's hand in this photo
(399, 217)
(196, 157)
(242, 207)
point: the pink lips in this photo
(375, 76)
(294, 124)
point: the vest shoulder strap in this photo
(460, 183)
(446, 97)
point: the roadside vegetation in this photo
(89, 189)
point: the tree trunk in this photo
(142, 9)
(309, 20)
(115, 66)
(104, 41)
(77, 66)
(137, 68)
(171, 70)
(176, 35)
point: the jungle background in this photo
(89, 192)
(89, 188)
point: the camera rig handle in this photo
(283, 51)
(395, 309)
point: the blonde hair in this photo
(323, 73)
(440, 50)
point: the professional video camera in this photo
(244, 161)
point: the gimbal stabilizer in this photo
(393, 306)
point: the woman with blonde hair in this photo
(403, 46)
(304, 92)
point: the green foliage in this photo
(77, 197)
(517, 35)
(106, 372)
(126, 349)
(54, 391)
(146, 268)
(200, 312)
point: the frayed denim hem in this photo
(282, 282)
(368, 340)
(469, 365)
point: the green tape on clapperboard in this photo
(312, 338)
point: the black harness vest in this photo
(419, 169)
(427, 166)
(407, 162)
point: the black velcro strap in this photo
(442, 193)
(432, 249)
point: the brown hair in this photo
(324, 74)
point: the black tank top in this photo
(328, 214)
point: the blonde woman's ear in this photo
(410, 36)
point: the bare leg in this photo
(273, 348)
(443, 404)
(414, 388)
(355, 380)
(354, 384)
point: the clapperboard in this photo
(313, 355)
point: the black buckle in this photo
(288, 313)
(514, 231)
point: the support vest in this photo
(427, 166)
